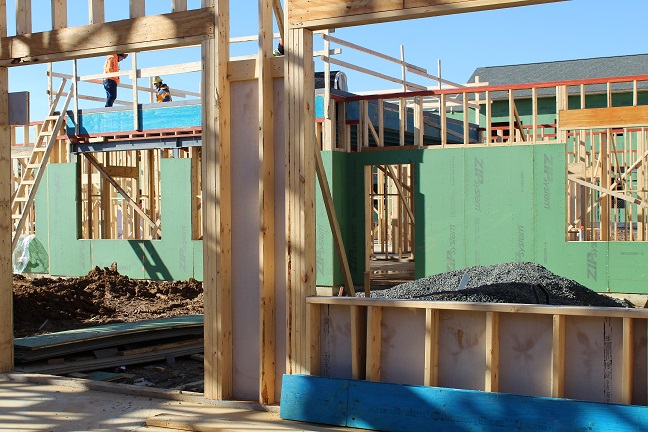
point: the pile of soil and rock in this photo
(103, 296)
(502, 283)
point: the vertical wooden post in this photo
(431, 377)
(133, 76)
(217, 240)
(23, 17)
(6, 283)
(489, 119)
(628, 361)
(374, 339)
(313, 317)
(558, 357)
(266, 206)
(137, 8)
(300, 190)
(444, 119)
(368, 231)
(178, 5)
(534, 113)
(59, 14)
(75, 86)
(492, 352)
(358, 342)
(96, 11)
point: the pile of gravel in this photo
(526, 283)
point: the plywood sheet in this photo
(335, 343)
(403, 343)
(462, 349)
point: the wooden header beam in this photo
(136, 34)
(323, 14)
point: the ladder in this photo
(32, 173)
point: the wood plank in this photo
(492, 352)
(6, 282)
(313, 335)
(137, 8)
(217, 224)
(627, 387)
(614, 117)
(96, 12)
(266, 206)
(408, 408)
(136, 34)
(358, 342)
(583, 311)
(266, 422)
(59, 14)
(178, 5)
(279, 16)
(23, 17)
(431, 373)
(374, 342)
(558, 357)
(322, 14)
(326, 397)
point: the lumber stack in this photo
(110, 345)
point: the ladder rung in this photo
(21, 199)
(32, 166)
(52, 117)
(28, 182)
(39, 149)
(16, 216)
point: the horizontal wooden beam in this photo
(130, 35)
(323, 14)
(598, 118)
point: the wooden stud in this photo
(489, 118)
(558, 357)
(313, 335)
(6, 282)
(444, 119)
(300, 189)
(266, 206)
(133, 76)
(492, 352)
(217, 240)
(374, 339)
(137, 8)
(534, 113)
(627, 387)
(431, 374)
(279, 16)
(466, 120)
(178, 5)
(358, 342)
(96, 11)
(59, 14)
(23, 17)
(368, 228)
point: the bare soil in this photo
(103, 296)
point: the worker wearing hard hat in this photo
(163, 94)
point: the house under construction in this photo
(448, 176)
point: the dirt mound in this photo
(526, 283)
(103, 296)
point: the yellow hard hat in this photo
(157, 80)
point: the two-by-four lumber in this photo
(322, 14)
(96, 11)
(615, 117)
(558, 357)
(137, 8)
(59, 14)
(374, 342)
(217, 199)
(23, 17)
(492, 351)
(266, 206)
(431, 368)
(6, 282)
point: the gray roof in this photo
(602, 67)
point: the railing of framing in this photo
(533, 350)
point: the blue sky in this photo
(549, 32)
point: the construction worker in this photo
(110, 84)
(280, 49)
(162, 90)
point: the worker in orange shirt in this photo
(110, 84)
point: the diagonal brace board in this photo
(122, 192)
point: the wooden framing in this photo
(612, 117)
(6, 280)
(217, 230)
(136, 34)
(322, 14)
(266, 206)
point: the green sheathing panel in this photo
(68, 255)
(328, 264)
(172, 257)
(439, 205)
